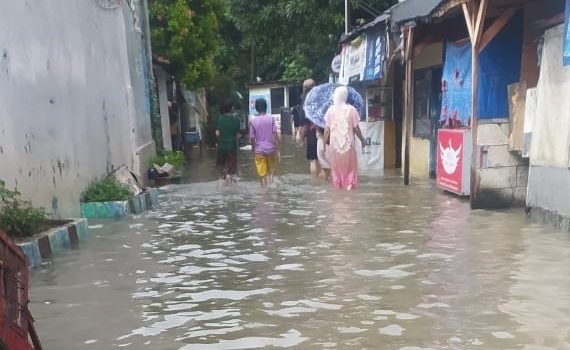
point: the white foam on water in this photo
(380, 318)
(95, 227)
(255, 257)
(289, 312)
(275, 277)
(393, 330)
(289, 252)
(290, 267)
(300, 212)
(200, 214)
(210, 332)
(397, 287)
(431, 256)
(225, 244)
(476, 342)
(367, 323)
(503, 335)
(287, 340)
(256, 230)
(405, 316)
(194, 270)
(312, 304)
(226, 294)
(136, 226)
(180, 307)
(165, 226)
(221, 221)
(433, 305)
(173, 259)
(407, 232)
(384, 312)
(169, 217)
(91, 341)
(390, 273)
(414, 348)
(351, 330)
(428, 283)
(367, 297)
(146, 245)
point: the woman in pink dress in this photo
(341, 128)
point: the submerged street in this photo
(301, 266)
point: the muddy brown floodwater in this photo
(300, 266)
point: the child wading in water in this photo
(323, 155)
(265, 141)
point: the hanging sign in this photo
(355, 59)
(336, 64)
(375, 55)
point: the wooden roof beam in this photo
(496, 27)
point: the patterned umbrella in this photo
(320, 98)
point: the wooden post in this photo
(475, 14)
(409, 100)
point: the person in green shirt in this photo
(228, 134)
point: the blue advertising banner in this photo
(375, 55)
(566, 51)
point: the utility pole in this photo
(346, 16)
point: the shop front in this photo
(365, 61)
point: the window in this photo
(277, 100)
(427, 101)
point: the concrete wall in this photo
(549, 179)
(503, 175)
(72, 98)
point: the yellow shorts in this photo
(265, 164)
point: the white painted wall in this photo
(72, 98)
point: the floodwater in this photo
(300, 266)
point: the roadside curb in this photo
(54, 241)
(108, 210)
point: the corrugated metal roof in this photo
(409, 10)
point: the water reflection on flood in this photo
(303, 267)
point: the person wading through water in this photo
(228, 135)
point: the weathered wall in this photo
(549, 180)
(71, 107)
(503, 175)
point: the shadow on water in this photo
(301, 266)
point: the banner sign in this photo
(454, 160)
(375, 55)
(373, 156)
(353, 60)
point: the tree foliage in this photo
(288, 39)
(186, 32)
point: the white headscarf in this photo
(341, 140)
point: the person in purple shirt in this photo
(265, 142)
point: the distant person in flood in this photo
(341, 128)
(228, 135)
(323, 153)
(308, 132)
(265, 143)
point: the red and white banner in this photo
(454, 160)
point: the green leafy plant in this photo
(170, 157)
(18, 217)
(106, 190)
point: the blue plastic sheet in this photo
(456, 86)
(566, 53)
(500, 66)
